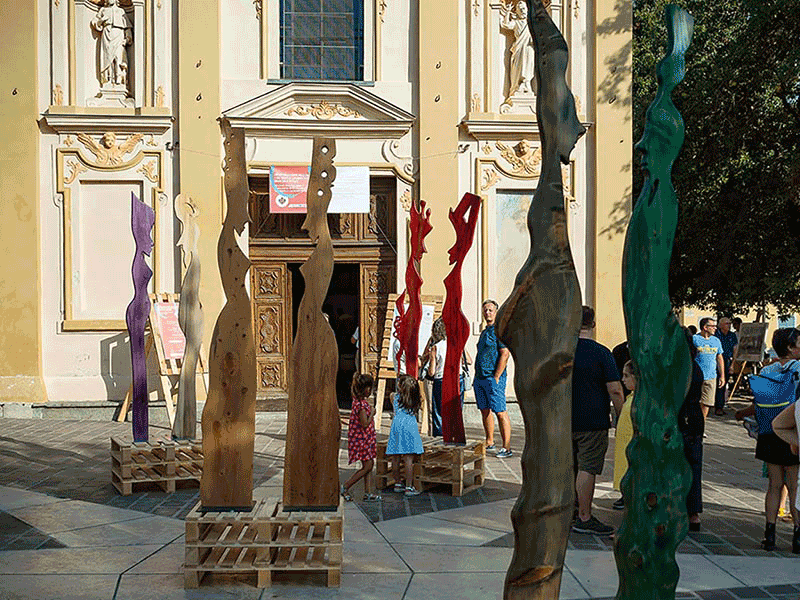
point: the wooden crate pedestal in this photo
(461, 467)
(162, 462)
(263, 541)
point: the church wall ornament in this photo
(106, 150)
(323, 111)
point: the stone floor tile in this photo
(425, 558)
(758, 571)
(426, 530)
(72, 587)
(365, 557)
(170, 587)
(147, 530)
(73, 514)
(446, 586)
(68, 561)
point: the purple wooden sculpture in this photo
(142, 220)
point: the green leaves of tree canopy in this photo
(738, 176)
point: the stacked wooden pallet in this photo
(461, 467)
(383, 466)
(262, 541)
(162, 462)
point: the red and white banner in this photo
(288, 185)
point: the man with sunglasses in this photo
(709, 359)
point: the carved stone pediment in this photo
(307, 109)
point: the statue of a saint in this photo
(114, 28)
(514, 18)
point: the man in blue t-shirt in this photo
(595, 386)
(730, 349)
(709, 359)
(490, 382)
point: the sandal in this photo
(372, 498)
(346, 495)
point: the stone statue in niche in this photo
(115, 33)
(514, 18)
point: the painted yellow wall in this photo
(438, 131)
(613, 162)
(199, 140)
(20, 334)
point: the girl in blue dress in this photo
(404, 438)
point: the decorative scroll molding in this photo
(389, 153)
(151, 141)
(324, 111)
(269, 282)
(487, 148)
(259, 9)
(69, 140)
(75, 169)
(405, 200)
(269, 330)
(382, 10)
(576, 10)
(524, 158)
(476, 7)
(108, 152)
(150, 170)
(58, 95)
(489, 178)
(271, 375)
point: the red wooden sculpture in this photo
(455, 322)
(407, 324)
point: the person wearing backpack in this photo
(774, 389)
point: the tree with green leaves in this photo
(738, 177)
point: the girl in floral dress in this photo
(361, 436)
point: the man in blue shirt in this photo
(730, 349)
(490, 382)
(709, 359)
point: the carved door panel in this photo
(377, 282)
(272, 293)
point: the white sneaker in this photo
(503, 453)
(412, 491)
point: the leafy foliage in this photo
(738, 176)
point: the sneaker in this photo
(592, 525)
(490, 446)
(399, 488)
(619, 504)
(503, 453)
(372, 498)
(412, 491)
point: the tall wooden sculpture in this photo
(455, 322)
(142, 220)
(658, 476)
(408, 321)
(190, 319)
(229, 416)
(311, 474)
(539, 323)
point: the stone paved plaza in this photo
(67, 533)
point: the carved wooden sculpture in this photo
(455, 322)
(658, 476)
(311, 474)
(229, 416)
(407, 324)
(142, 220)
(539, 323)
(190, 318)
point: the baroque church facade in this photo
(101, 98)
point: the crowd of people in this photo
(602, 379)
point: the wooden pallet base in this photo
(159, 462)
(263, 541)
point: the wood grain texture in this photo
(229, 415)
(311, 473)
(539, 323)
(658, 476)
(190, 319)
(464, 219)
(408, 321)
(142, 220)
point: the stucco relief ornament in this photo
(115, 34)
(108, 152)
(524, 158)
(323, 111)
(521, 71)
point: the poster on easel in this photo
(752, 342)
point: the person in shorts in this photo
(490, 382)
(595, 386)
(709, 358)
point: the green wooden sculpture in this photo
(658, 477)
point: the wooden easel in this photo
(167, 367)
(386, 365)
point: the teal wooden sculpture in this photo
(658, 477)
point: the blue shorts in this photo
(490, 395)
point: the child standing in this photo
(404, 438)
(361, 436)
(624, 433)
